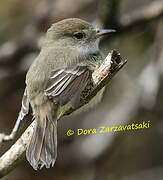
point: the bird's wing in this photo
(66, 85)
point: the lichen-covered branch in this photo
(111, 65)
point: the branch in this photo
(145, 14)
(13, 51)
(101, 77)
(151, 76)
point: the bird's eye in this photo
(78, 35)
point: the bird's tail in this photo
(42, 148)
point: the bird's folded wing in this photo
(66, 85)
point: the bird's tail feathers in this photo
(42, 149)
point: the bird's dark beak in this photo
(103, 32)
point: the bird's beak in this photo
(103, 32)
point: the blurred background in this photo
(135, 94)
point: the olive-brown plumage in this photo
(56, 79)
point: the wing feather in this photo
(66, 85)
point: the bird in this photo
(55, 82)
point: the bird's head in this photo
(75, 33)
